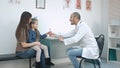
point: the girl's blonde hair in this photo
(33, 20)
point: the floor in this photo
(23, 63)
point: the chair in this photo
(17, 57)
(100, 42)
(42, 60)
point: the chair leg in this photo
(81, 62)
(98, 64)
(30, 63)
(94, 63)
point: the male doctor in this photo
(82, 34)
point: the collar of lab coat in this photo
(79, 24)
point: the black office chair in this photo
(100, 42)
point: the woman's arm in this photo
(24, 44)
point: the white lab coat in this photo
(83, 35)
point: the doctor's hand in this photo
(61, 38)
(51, 34)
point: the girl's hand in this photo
(39, 46)
(37, 43)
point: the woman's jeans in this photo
(30, 53)
(73, 53)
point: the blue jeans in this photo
(32, 53)
(72, 53)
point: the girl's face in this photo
(35, 25)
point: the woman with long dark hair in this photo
(23, 49)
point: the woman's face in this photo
(30, 20)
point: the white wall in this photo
(53, 16)
(104, 25)
(56, 15)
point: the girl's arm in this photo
(43, 36)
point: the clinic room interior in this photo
(94, 41)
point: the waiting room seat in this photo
(100, 42)
(42, 59)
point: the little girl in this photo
(34, 35)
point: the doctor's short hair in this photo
(76, 14)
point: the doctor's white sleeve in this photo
(69, 34)
(77, 37)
